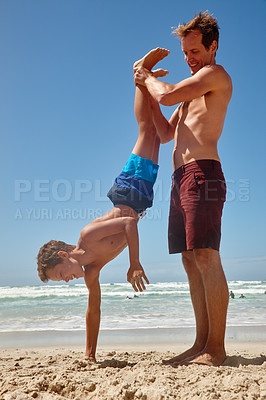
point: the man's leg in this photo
(209, 296)
(217, 296)
(197, 294)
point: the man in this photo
(198, 190)
(106, 237)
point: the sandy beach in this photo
(42, 344)
(130, 372)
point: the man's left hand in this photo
(140, 75)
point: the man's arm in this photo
(207, 79)
(98, 230)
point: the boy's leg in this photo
(148, 143)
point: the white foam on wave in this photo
(63, 307)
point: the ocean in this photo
(46, 314)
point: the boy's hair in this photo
(48, 256)
(206, 24)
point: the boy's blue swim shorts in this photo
(134, 186)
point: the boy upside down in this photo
(106, 237)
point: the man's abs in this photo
(198, 131)
(193, 154)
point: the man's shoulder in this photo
(217, 75)
(216, 69)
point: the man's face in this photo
(196, 54)
(67, 270)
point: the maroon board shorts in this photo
(197, 198)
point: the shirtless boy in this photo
(106, 237)
(198, 190)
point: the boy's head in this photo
(206, 24)
(48, 257)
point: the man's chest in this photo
(190, 109)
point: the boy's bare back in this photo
(104, 238)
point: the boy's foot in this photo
(151, 58)
(159, 73)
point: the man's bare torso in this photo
(200, 124)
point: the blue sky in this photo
(67, 127)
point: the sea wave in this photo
(119, 289)
(162, 305)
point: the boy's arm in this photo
(135, 274)
(98, 230)
(93, 314)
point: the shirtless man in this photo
(106, 237)
(198, 190)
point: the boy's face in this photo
(196, 54)
(67, 270)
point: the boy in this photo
(106, 237)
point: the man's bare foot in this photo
(151, 58)
(189, 354)
(205, 359)
(89, 358)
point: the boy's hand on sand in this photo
(136, 277)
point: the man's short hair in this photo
(206, 24)
(48, 256)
